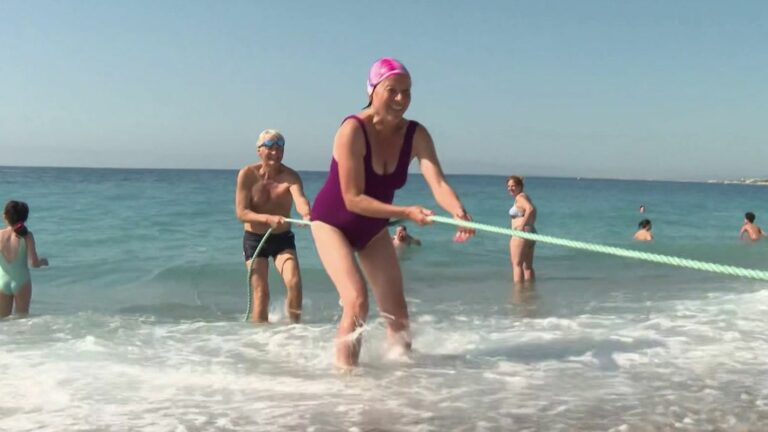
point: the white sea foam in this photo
(694, 363)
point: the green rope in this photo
(610, 250)
(592, 247)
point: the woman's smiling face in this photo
(392, 95)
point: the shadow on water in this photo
(172, 312)
(602, 350)
(445, 362)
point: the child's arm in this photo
(32, 257)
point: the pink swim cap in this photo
(383, 68)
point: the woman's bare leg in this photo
(528, 272)
(338, 258)
(516, 247)
(6, 304)
(23, 298)
(381, 266)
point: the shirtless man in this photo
(265, 192)
(750, 228)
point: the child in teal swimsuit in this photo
(17, 252)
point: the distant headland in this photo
(752, 181)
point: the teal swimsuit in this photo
(15, 274)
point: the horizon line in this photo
(730, 181)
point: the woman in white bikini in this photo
(523, 215)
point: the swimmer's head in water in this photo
(401, 232)
(644, 224)
(749, 216)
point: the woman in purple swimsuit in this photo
(371, 154)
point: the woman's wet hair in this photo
(16, 213)
(516, 179)
(645, 223)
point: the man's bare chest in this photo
(270, 192)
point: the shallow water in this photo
(136, 324)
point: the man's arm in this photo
(299, 199)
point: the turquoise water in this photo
(136, 324)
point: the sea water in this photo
(137, 323)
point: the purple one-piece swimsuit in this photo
(329, 204)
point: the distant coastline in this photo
(751, 181)
(748, 181)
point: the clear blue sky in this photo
(625, 89)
